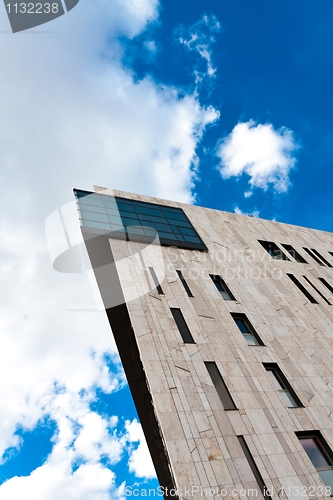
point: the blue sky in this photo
(223, 104)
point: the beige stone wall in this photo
(200, 436)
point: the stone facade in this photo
(199, 438)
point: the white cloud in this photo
(199, 38)
(140, 460)
(254, 213)
(260, 151)
(73, 116)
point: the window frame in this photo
(220, 386)
(182, 326)
(322, 447)
(295, 255)
(217, 278)
(284, 384)
(273, 250)
(251, 331)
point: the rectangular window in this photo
(318, 291)
(222, 287)
(280, 383)
(291, 250)
(302, 288)
(253, 467)
(328, 264)
(328, 286)
(220, 386)
(249, 333)
(171, 224)
(320, 455)
(185, 285)
(155, 280)
(182, 326)
(274, 251)
(315, 258)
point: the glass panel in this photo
(187, 231)
(327, 478)
(241, 325)
(148, 211)
(218, 285)
(110, 204)
(145, 217)
(160, 227)
(97, 225)
(176, 216)
(115, 227)
(179, 223)
(91, 208)
(179, 237)
(88, 200)
(125, 206)
(274, 380)
(225, 296)
(130, 215)
(135, 230)
(167, 236)
(94, 216)
(251, 340)
(192, 240)
(288, 399)
(312, 449)
(114, 219)
(112, 211)
(130, 222)
(150, 232)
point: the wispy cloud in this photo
(200, 37)
(266, 155)
(254, 213)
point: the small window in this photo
(253, 467)
(220, 386)
(318, 291)
(274, 251)
(222, 287)
(328, 286)
(249, 333)
(182, 326)
(320, 455)
(282, 385)
(315, 258)
(328, 264)
(291, 250)
(302, 288)
(155, 280)
(185, 285)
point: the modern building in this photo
(225, 332)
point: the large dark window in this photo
(274, 251)
(220, 386)
(320, 455)
(182, 326)
(137, 220)
(291, 250)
